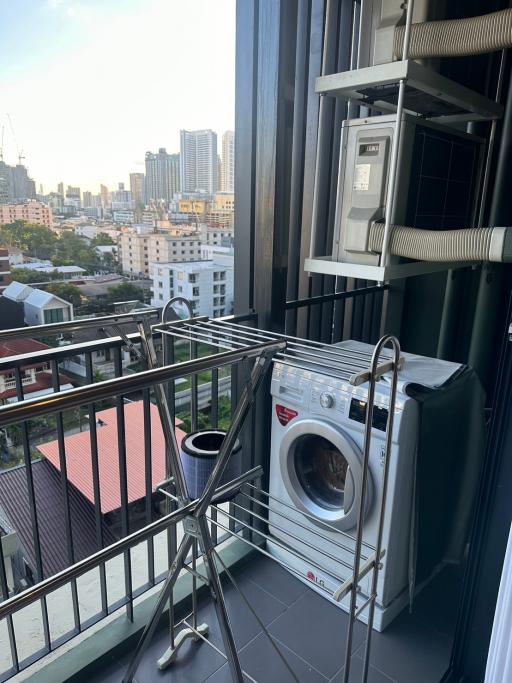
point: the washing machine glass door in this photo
(322, 471)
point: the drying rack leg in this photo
(185, 634)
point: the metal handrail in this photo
(335, 296)
(74, 325)
(52, 583)
(72, 398)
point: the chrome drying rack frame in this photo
(355, 367)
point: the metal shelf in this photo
(427, 93)
(327, 266)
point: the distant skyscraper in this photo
(87, 199)
(60, 189)
(228, 162)
(15, 185)
(121, 199)
(73, 197)
(198, 161)
(104, 196)
(137, 181)
(162, 176)
(174, 175)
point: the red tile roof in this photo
(16, 347)
(43, 382)
(78, 455)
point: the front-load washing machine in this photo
(315, 479)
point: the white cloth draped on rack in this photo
(499, 659)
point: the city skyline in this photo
(87, 118)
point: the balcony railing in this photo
(134, 544)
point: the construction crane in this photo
(21, 156)
(2, 144)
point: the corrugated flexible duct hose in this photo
(464, 245)
(457, 37)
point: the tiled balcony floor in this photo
(311, 635)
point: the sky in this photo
(90, 85)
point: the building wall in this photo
(137, 252)
(228, 162)
(198, 161)
(5, 269)
(137, 188)
(32, 212)
(208, 285)
(34, 315)
(162, 175)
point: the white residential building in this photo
(138, 251)
(41, 308)
(227, 180)
(198, 161)
(87, 231)
(207, 284)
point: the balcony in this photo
(86, 583)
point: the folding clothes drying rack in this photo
(356, 367)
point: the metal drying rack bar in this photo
(353, 366)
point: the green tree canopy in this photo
(35, 240)
(126, 292)
(66, 291)
(102, 240)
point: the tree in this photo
(27, 276)
(37, 240)
(102, 240)
(66, 291)
(126, 292)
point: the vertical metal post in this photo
(387, 457)
(123, 484)
(4, 588)
(65, 494)
(362, 502)
(395, 149)
(32, 506)
(93, 436)
(148, 479)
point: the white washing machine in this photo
(316, 470)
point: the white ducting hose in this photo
(456, 37)
(466, 244)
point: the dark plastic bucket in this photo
(199, 451)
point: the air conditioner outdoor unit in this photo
(437, 186)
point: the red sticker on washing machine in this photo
(284, 414)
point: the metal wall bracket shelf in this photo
(427, 93)
(326, 265)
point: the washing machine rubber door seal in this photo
(342, 518)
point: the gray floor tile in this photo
(356, 672)
(411, 651)
(261, 662)
(244, 624)
(438, 603)
(196, 661)
(316, 630)
(275, 580)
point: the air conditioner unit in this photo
(437, 186)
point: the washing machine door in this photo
(322, 471)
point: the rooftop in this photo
(78, 455)
(52, 534)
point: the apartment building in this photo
(5, 269)
(138, 251)
(33, 212)
(208, 285)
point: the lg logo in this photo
(311, 577)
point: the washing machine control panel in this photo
(334, 398)
(326, 399)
